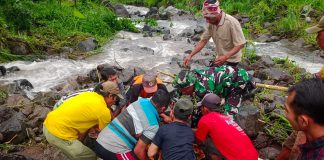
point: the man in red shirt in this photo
(222, 137)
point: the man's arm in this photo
(220, 60)
(200, 45)
(153, 149)
(140, 150)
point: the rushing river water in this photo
(132, 49)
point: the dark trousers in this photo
(107, 155)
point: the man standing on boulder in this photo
(226, 33)
(319, 29)
(66, 126)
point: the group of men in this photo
(132, 129)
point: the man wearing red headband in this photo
(226, 33)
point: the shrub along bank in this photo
(50, 24)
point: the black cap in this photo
(211, 101)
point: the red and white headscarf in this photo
(211, 8)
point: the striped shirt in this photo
(140, 119)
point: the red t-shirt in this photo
(228, 137)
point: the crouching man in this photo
(129, 134)
(176, 138)
(66, 126)
(222, 137)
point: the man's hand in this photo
(220, 60)
(140, 150)
(186, 61)
(93, 132)
(166, 119)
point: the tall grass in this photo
(47, 22)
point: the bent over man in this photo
(66, 126)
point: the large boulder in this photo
(13, 69)
(121, 10)
(248, 119)
(3, 71)
(18, 47)
(17, 101)
(152, 13)
(13, 128)
(261, 141)
(23, 84)
(278, 75)
(88, 45)
(267, 61)
(38, 116)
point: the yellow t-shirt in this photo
(78, 114)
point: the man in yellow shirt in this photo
(65, 126)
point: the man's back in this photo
(176, 141)
(227, 136)
(77, 114)
(140, 120)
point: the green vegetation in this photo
(42, 23)
(286, 16)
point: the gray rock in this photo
(275, 38)
(264, 38)
(188, 32)
(269, 82)
(23, 84)
(167, 37)
(267, 107)
(66, 50)
(27, 110)
(13, 69)
(152, 13)
(126, 75)
(18, 101)
(88, 45)
(261, 141)
(68, 87)
(120, 10)
(162, 30)
(247, 118)
(266, 24)
(300, 42)
(14, 128)
(13, 156)
(308, 19)
(40, 113)
(147, 28)
(172, 11)
(38, 139)
(269, 153)
(3, 71)
(5, 113)
(199, 29)
(278, 75)
(267, 60)
(18, 47)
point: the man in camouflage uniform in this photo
(226, 81)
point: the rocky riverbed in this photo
(28, 90)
